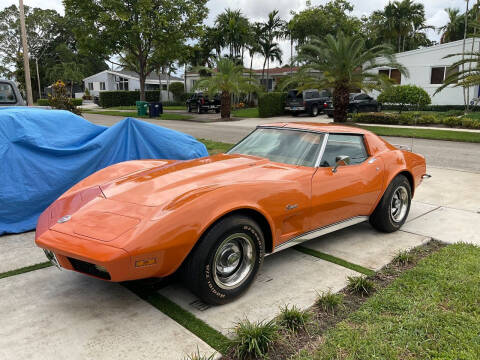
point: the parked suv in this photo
(9, 94)
(201, 103)
(358, 103)
(308, 101)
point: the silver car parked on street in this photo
(9, 94)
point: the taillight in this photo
(325, 105)
(202, 101)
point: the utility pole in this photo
(26, 64)
(38, 78)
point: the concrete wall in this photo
(419, 64)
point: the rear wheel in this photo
(392, 210)
(226, 261)
(199, 109)
(189, 108)
(314, 111)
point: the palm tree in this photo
(344, 64)
(272, 30)
(271, 52)
(235, 28)
(453, 29)
(228, 79)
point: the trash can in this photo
(155, 109)
(141, 108)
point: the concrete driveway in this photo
(49, 313)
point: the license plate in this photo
(51, 256)
(294, 108)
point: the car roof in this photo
(318, 127)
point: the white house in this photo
(110, 80)
(428, 69)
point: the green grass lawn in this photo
(164, 116)
(430, 312)
(246, 113)
(215, 147)
(432, 134)
(133, 107)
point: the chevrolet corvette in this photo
(214, 219)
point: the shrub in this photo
(46, 102)
(395, 119)
(198, 356)
(272, 104)
(293, 318)
(405, 95)
(470, 123)
(177, 89)
(454, 113)
(253, 340)
(437, 108)
(329, 301)
(403, 258)
(42, 102)
(60, 100)
(126, 98)
(360, 285)
(452, 121)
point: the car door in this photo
(362, 102)
(353, 189)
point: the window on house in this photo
(164, 87)
(451, 70)
(90, 86)
(438, 75)
(270, 83)
(102, 85)
(121, 83)
(393, 74)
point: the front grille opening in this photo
(88, 268)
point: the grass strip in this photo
(246, 113)
(215, 147)
(164, 116)
(430, 312)
(431, 134)
(335, 260)
(212, 337)
(25, 269)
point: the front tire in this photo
(392, 210)
(226, 260)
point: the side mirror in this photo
(342, 160)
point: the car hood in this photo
(162, 185)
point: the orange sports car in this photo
(215, 218)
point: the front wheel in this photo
(226, 261)
(392, 210)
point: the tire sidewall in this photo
(395, 184)
(207, 287)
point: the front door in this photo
(350, 191)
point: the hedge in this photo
(438, 108)
(128, 98)
(405, 96)
(272, 104)
(415, 119)
(44, 102)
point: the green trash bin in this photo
(142, 107)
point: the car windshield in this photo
(293, 147)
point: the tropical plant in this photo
(227, 79)
(235, 30)
(293, 318)
(404, 95)
(329, 301)
(360, 285)
(453, 30)
(344, 64)
(60, 100)
(177, 89)
(254, 339)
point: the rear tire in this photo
(314, 111)
(392, 210)
(226, 260)
(199, 109)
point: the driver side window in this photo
(352, 146)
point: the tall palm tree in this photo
(453, 29)
(235, 28)
(272, 30)
(228, 79)
(344, 64)
(271, 52)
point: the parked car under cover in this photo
(358, 102)
(215, 218)
(43, 153)
(306, 102)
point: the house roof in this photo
(277, 70)
(152, 78)
(452, 44)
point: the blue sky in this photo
(257, 10)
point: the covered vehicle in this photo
(45, 152)
(215, 218)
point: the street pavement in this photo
(48, 313)
(445, 154)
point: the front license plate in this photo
(51, 256)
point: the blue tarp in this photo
(45, 152)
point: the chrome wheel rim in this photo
(234, 261)
(399, 204)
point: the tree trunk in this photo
(71, 89)
(463, 55)
(225, 105)
(340, 102)
(268, 68)
(250, 93)
(160, 83)
(263, 70)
